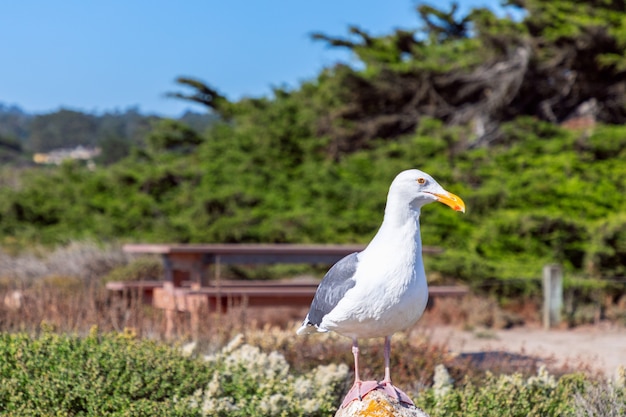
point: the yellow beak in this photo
(451, 200)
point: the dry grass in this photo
(61, 303)
(473, 311)
(85, 261)
(65, 290)
(606, 400)
(68, 308)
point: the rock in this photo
(379, 404)
(14, 300)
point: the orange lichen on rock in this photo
(379, 404)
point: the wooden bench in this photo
(187, 286)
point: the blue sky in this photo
(110, 55)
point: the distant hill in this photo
(14, 122)
(23, 133)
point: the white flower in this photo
(188, 349)
(543, 377)
(326, 375)
(303, 387)
(213, 388)
(275, 391)
(310, 405)
(442, 382)
(235, 343)
(620, 377)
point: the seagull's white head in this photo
(417, 189)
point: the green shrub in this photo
(121, 375)
(513, 395)
(248, 382)
(606, 400)
(608, 247)
(140, 269)
(99, 375)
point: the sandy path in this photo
(603, 348)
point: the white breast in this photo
(390, 294)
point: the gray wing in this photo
(337, 281)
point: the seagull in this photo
(382, 289)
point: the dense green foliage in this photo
(546, 195)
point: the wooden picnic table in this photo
(190, 261)
(187, 287)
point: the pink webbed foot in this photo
(359, 390)
(395, 392)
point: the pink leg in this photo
(355, 353)
(386, 384)
(360, 388)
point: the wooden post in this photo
(552, 295)
(198, 280)
(166, 293)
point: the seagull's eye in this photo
(421, 181)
